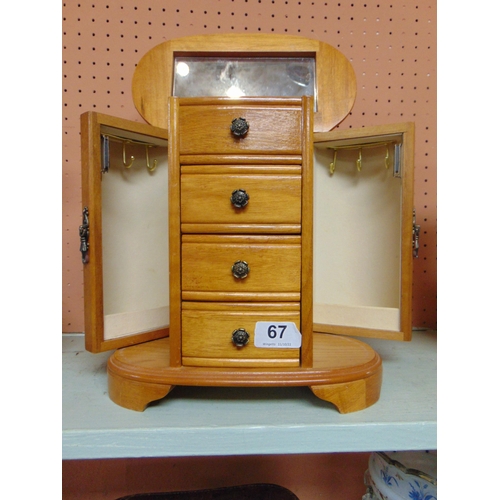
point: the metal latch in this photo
(416, 235)
(84, 236)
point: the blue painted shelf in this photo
(201, 421)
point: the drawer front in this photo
(270, 199)
(207, 130)
(273, 262)
(207, 336)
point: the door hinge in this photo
(396, 169)
(84, 236)
(416, 235)
(105, 154)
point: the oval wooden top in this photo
(335, 79)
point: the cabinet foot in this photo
(352, 396)
(133, 394)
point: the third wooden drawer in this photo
(274, 264)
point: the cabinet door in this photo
(124, 232)
(363, 231)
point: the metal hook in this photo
(358, 161)
(125, 156)
(333, 165)
(155, 162)
(387, 156)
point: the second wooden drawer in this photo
(270, 199)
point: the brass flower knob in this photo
(240, 337)
(240, 269)
(239, 198)
(239, 127)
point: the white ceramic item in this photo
(402, 475)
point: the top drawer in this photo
(273, 129)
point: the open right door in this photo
(364, 231)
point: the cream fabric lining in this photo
(357, 240)
(130, 323)
(377, 318)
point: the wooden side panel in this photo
(307, 235)
(174, 234)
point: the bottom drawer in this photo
(207, 334)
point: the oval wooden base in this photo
(346, 372)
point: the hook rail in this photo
(126, 163)
(360, 147)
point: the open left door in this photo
(124, 232)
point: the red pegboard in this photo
(391, 45)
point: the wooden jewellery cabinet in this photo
(239, 240)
